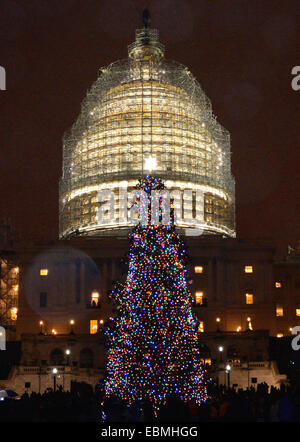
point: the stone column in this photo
(82, 282)
(210, 271)
(104, 275)
(71, 294)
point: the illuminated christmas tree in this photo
(152, 342)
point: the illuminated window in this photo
(95, 299)
(249, 298)
(198, 269)
(279, 335)
(278, 285)
(248, 269)
(279, 310)
(201, 327)
(44, 272)
(15, 287)
(199, 298)
(297, 311)
(14, 313)
(93, 326)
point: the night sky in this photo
(241, 51)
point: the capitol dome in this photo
(144, 115)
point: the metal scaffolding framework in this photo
(145, 110)
(9, 290)
(9, 277)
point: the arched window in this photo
(56, 357)
(95, 298)
(86, 358)
(205, 354)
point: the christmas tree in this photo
(152, 342)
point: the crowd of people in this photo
(58, 406)
(261, 404)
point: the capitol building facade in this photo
(143, 115)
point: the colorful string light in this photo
(152, 343)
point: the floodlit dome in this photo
(143, 115)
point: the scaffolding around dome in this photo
(145, 112)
